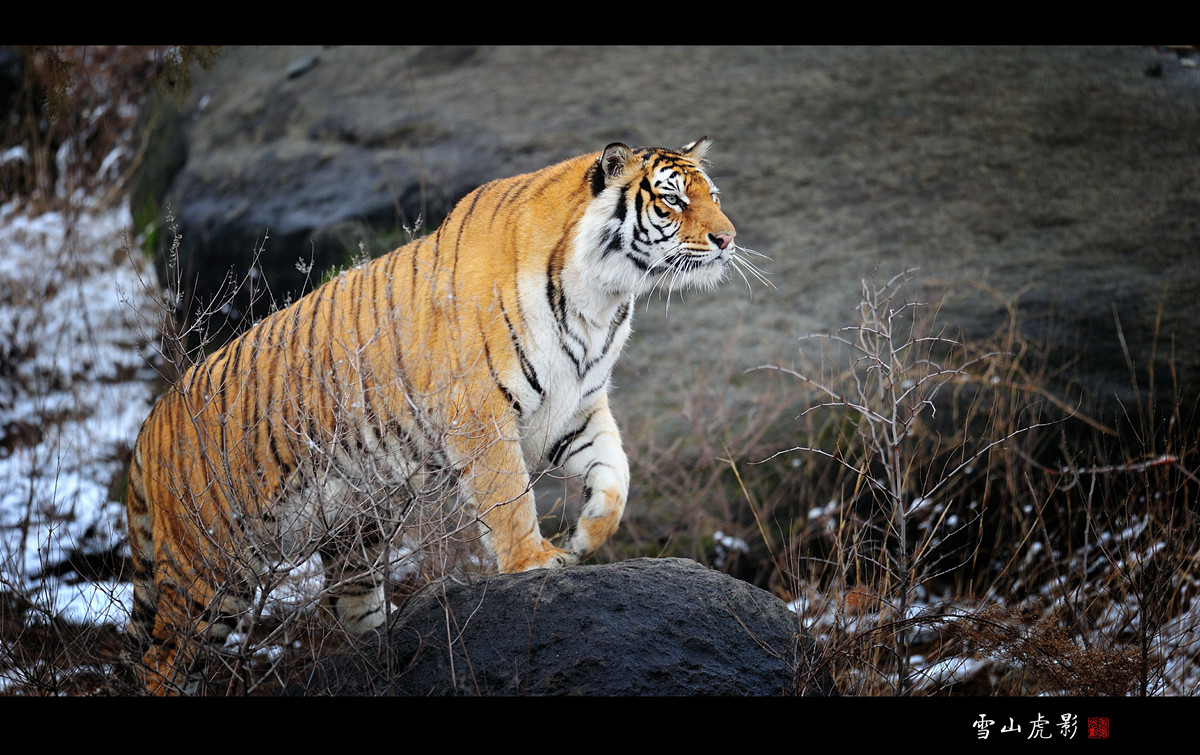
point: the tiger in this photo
(465, 360)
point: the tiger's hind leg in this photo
(185, 631)
(163, 659)
(354, 590)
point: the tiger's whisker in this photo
(744, 264)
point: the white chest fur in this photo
(572, 353)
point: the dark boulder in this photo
(644, 626)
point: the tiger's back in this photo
(467, 358)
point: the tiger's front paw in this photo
(590, 532)
(546, 557)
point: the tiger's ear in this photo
(614, 160)
(697, 150)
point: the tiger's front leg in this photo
(596, 457)
(497, 482)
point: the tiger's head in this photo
(656, 222)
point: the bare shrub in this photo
(896, 527)
(952, 525)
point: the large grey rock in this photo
(639, 627)
(1060, 178)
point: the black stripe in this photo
(356, 298)
(595, 389)
(512, 400)
(144, 610)
(637, 262)
(595, 178)
(416, 252)
(470, 210)
(561, 446)
(268, 413)
(310, 349)
(622, 207)
(558, 305)
(616, 242)
(145, 563)
(616, 238)
(527, 368)
(462, 231)
(500, 205)
(233, 355)
(577, 450)
(622, 315)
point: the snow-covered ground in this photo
(75, 300)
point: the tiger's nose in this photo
(723, 239)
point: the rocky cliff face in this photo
(1059, 179)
